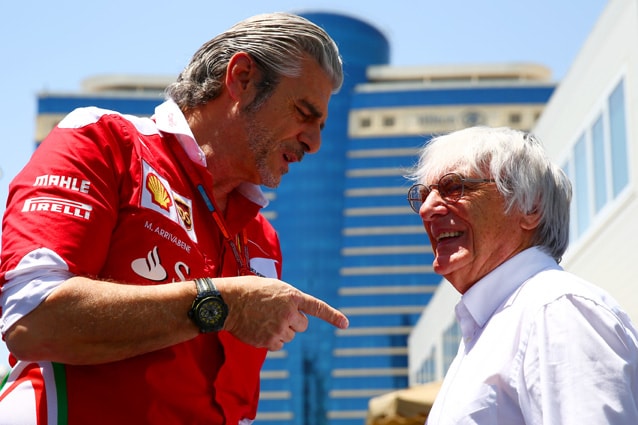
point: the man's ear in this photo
(530, 220)
(240, 73)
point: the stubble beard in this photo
(261, 145)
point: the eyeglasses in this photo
(451, 187)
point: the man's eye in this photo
(450, 188)
(304, 114)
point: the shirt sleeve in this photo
(580, 365)
(37, 275)
(61, 210)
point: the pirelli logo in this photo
(57, 205)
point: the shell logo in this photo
(159, 194)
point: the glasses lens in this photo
(416, 196)
(451, 187)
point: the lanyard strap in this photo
(238, 244)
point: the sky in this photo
(54, 45)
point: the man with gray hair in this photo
(539, 345)
(140, 282)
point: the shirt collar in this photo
(170, 119)
(490, 292)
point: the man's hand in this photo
(266, 312)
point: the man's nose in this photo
(311, 138)
(432, 205)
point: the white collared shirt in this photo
(540, 346)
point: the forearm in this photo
(89, 322)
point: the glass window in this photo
(451, 340)
(567, 168)
(618, 139)
(426, 372)
(581, 186)
(388, 121)
(515, 118)
(600, 167)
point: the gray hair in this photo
(524, 175)
(276, 41)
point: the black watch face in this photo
(211, 314)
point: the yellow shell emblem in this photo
(159, 194)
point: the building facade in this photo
(347, 232)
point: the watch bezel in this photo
(208, 299)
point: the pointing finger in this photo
(315, 307)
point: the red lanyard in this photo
(238, 244)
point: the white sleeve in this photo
(38, 274)
(581, 365)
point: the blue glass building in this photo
(347, 233)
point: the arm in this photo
(580, 365)
(87, 322)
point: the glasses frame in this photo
(428, 189)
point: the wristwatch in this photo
(209, 311)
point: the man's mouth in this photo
(447, 235)
(293, 154)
